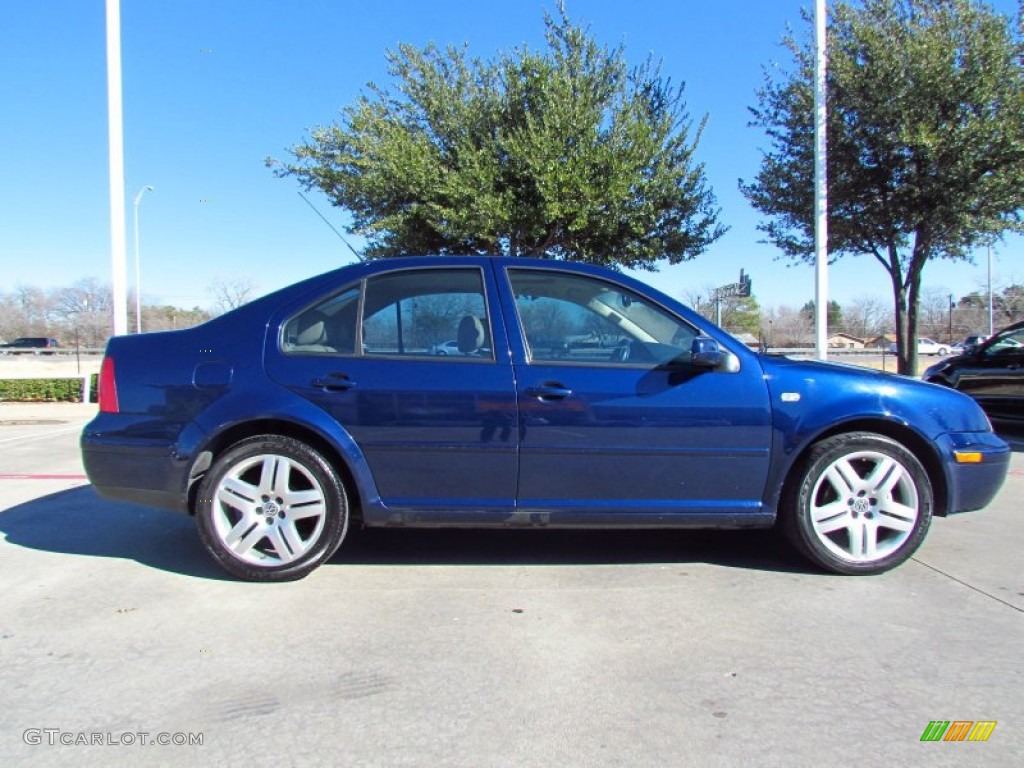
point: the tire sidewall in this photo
(336, 503)
(799, 526)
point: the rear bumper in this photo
(973, 486)
(144, 470)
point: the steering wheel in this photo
(621, 353)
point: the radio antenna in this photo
(340, 236)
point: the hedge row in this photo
(46, 390)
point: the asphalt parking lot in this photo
(415, 648)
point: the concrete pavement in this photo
(517, 648)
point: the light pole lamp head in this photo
(144, 190)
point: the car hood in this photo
(942, 365)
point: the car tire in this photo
(271, 508)
(859, 503)
(943, 351)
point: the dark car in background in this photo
(324, 405)
(992, 373)
(970, 343)
(36, 344)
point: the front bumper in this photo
(973, 485)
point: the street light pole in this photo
(138, 285)
(990, 326)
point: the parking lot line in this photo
(40, 436)
(18, 476)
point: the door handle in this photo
(335, 382)
(549, 392)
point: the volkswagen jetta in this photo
(575, 397)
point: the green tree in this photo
(835, 313)
(926, 141)
(565, 153)
(741, 314)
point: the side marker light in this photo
(967, 457)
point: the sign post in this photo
(741, 289)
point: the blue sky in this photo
(212, 87)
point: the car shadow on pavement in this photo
(749, 550)
(78, 522)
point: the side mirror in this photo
(705, 352)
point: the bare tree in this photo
(786, 327)
(866, 317)
(934, 316)
(32, 304)
(231, 292)
(82, 310)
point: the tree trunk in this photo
(899, 295)
(913, 304)
(922, 246)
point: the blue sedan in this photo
(573, 397)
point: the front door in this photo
(615, 426)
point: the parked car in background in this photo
(972, 342)
(926, 346)
(284, 422)
(992, 373)
(35, 344)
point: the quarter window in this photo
(329, 327)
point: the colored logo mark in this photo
(958, 730)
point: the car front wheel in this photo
(271, 508)
(860, 503)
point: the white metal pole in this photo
(118, 246)
(138, 281)
(820, 187)
(991, 327)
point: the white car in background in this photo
(926, 346)
(444, 348)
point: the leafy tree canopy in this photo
(565, 153)
(835, 313)
(925, 140)
(741, 314)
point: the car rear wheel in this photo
(271, 508)
(860, 503)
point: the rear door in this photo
(438, 431)
(615, 427)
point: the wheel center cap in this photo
(861, 505)
(271, 508)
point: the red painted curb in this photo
(42, 477)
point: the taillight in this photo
(108, 387)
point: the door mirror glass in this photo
(705, 352)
